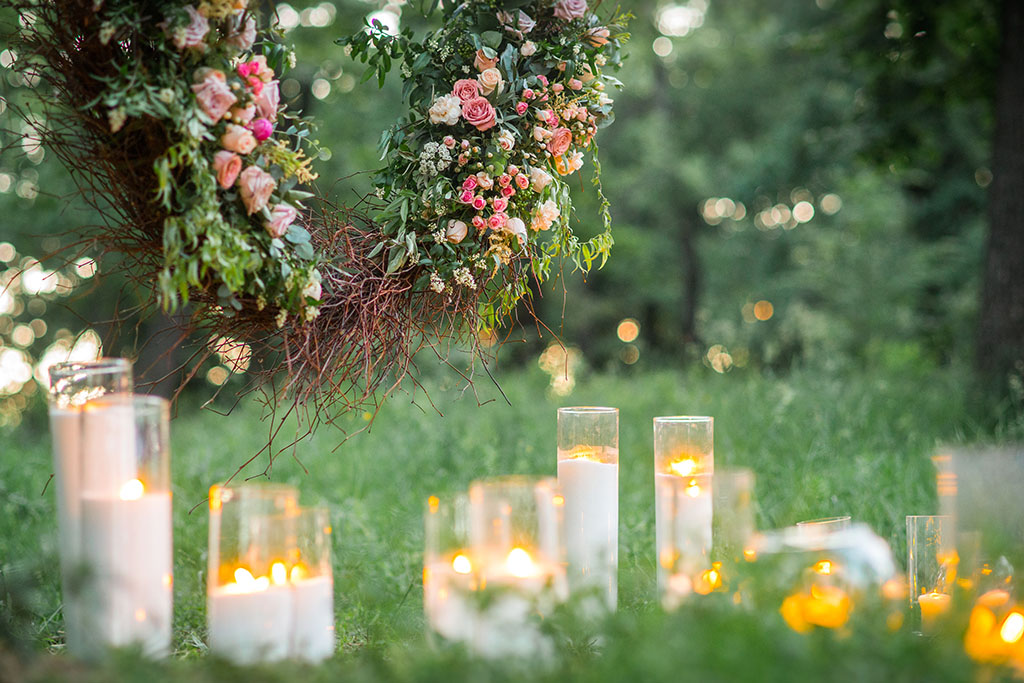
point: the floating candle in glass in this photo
(72, 385)
(684, 461)
(588, 476)
(931, 566)
(449, 571)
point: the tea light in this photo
(932, 606)
(588, 477)
(250, 618)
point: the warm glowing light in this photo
(667, 557)
(764, 310)
(132, 490)
(215, 500)
(749, 554)
(461, 564)
(558, 501)
(279, 574)
(140, 614)
(684, 467)
(298, 573)
(628, 330)
(244, 577)
(168, 581)
(693, 489)
(1013, 628)
(519, 563)
(824, 567)
(932, 606)
(433, 503)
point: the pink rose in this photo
(261, 129)
(522, 182)
(560, 141)
(526, 23)
(521, 108)
(508, 191)
(281, 217)
(244, 35)
(255, 186)
(238, 139)
(570, 9)
(268, 100)
(214, 96)
(597, 36)
(512, 169)
(469, 183)
(497, 221)
(479, 203)
(227, 165)
(575, 83)
(262, 71)
(196, 30)
(463, 160)
(449, 142)
(528, 94)
(482, 61)
(479, 223)
(466, 89)
(466, 197)
(500, 204)
(243, 115)
(504, 179)
(479, 113)
(558, 87)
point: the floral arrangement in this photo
(504, 103)
(227, 179)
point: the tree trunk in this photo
(1000, 341)
(691, 281)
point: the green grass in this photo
(820, 444)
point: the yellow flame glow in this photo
(824, 567)
(279, 574)
(461, 564)
(132, 490)
(1013, 628)
(693, 489)
(298, 573)
(519, 563)
(684, 467)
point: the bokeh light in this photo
(628, 330)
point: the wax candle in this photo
(127, 553)
(683, 507)
(589, 482)
(250, 619)
(313, 620)
(447, 593)
(933, 605)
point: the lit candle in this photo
(933, 605)
(250, 618)
(589, 481)
(313, 623)
(683, 508)
(447, 585)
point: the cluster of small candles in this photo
(502, 556)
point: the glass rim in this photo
(89, 366)
(683, 419)
(145, 403)
(735, 472)
(257, 489)
(910, 517)
(514, 480)
(588, 410)
(825, 520)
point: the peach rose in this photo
(195, 32)
(255, 186)
(281, 218)
(479, 113)
(560, 141)
(482, 62)
(243, 115)
(268, 101)
(313, 289)
(597, 36)
(244, 35)
(491, 81)
(456, 231)
(213, 94)
(466, 89)
(227, 165)
(238, 139)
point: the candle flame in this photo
(1013, 628)
(824, 567)
(132, 490)
(140, 615)
(433, 503)
(750, 554)
(461, 564)
(559, 501)
(279, 573)
(244, 578)
(519, 563)
(298, 573)
(693, 489)
(684, 467)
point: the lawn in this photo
(820, 442)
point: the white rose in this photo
(456, 231)
(446, 109)
(491, 81)
(506, 140)
(518, 228)
(539, 179)
(528, 48)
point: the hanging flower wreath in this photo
(170, 119)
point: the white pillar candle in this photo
(313, 621)
(683, 509)
(250, 623)
(447, 594)
(590, 488)
(66, 430)
(126, 550)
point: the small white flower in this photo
(166, 95)
(106, 33)
(116, 118)
(436, 283)
(291, 59)
(464, 277)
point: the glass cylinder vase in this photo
(449, 570)
(588, 476)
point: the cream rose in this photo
(446, 109)
(314, 290)
(491, 81)
(456, 231)
(518, 228)
(255, 186)
(268, 101)
(528, 48)
(546, 214)
(506, 140)
(227, 166)
(539, 179)
(238, 139)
